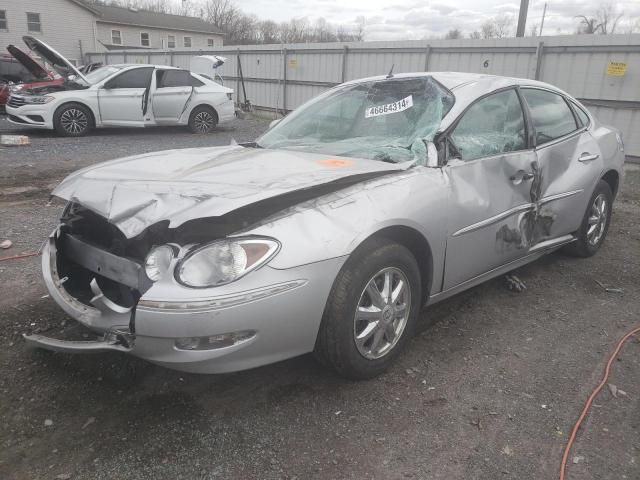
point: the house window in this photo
(33, 22)
(187, 42)
(3, 19)
(210, 42)
(144, 39)
(171, 41)
(116, 37)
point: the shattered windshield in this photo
(387, 120)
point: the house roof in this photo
(144, 18)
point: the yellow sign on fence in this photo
(616, 69)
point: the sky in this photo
(415, 20)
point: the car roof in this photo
(466, 87)
(458, 80)
(131, 65)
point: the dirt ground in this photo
(489, 389)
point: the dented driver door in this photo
(494, 188)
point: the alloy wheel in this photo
(382, 313)
(203, 122)
(74, 121)
(597, 221)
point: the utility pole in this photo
(522, 18)
(544, 13)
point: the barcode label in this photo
(394, 107)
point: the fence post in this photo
(284, 81)
(124, 59)
(238, 78)
(539, 54)
(343, 75)
(427, 54)
(171, 59)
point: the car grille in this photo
(15, 101)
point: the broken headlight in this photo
(158, 261)
(224, 261)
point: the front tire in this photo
(72, 120)
(595, 223)
(203, 120)
(372, 310)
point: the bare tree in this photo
(588, 25)
(475, 35)
(503, 25)
(608, 17)
(222, 13)
(500, 26)
(268, 32)
(488, 29)
(453, 34)
(361, 23)
(605, 20)
(533, 30)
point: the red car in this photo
(32, 74)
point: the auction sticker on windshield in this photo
(394, 107)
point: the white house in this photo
(69, 26)
(74, 27)
(129, 28)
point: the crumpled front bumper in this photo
(284, 316)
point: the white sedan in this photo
(119, 95)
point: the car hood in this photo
(29, 63)
(136, 192)
(60, 64)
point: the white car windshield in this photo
(102, 73)
(388, 120)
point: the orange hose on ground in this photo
(594, 394)
(21, 255)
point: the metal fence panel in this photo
(282, 77)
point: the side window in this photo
(3, 20)
(195, 82)
(136, 78)
(491, 126)
(173, 78)
(33, 22)
(582, 116)
(551, 116)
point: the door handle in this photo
(588, 157)
(521, 176)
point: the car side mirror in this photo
(275, 122)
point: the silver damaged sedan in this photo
(330, 232)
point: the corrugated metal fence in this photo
(282, 77)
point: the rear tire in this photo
(361, 336)
(595, 223)
(72, 120)
(203, 120)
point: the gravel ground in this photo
(488, 389)
(49, 158)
